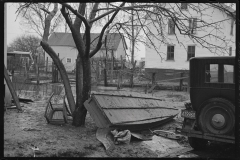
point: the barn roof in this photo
(66, 39)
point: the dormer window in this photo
(184, 6)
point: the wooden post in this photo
(47, 65)
(153, 78)
(58, 73)
(112, 67)
(188, 83)
(97, 72)
(181, 81)
(10, 86)
(53, 72)
(37, 71)
(121, 71)
(37, 75)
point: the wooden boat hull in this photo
(129, 111)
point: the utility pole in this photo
(132, 52)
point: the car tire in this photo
(197, 143)
(217, 117)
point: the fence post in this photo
(47, 65)
(188, 83)
(97, 71)
(153, 78)
(53, 72)
(37, 75)
(112, 68)
(181, 81)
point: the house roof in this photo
(25, 54)
(220, 6)
(66, 39)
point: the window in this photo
(219, 73)
(69, 60)
(192, 25)
(231, 30)
(230, 51)
(171, 27)
(211, 73)
(170, 52)
(190, 52)
(183, 6)
(228, 74)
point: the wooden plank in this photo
(96, 113)
(126, 94)
(127, 102)
(10, 86)
(124, 115)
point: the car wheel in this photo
(217, 117)
(197, 143)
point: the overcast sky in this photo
(14, 29)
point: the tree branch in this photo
(77, 14)
(87, 35)
(78, 21)
(48, 22)
(76, 35)
(103, 30)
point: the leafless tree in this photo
(90, 14)
(23, 43)
(33, 15)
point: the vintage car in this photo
(210, 114)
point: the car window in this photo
(219, 73)
(228, 74)
(213, 73)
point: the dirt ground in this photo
(24, 130)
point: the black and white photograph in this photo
(121, 79)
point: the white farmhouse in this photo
(64, 45)
(178, 49)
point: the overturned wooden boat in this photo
(129, 110)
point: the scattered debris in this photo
(177, 153)
(24, 100)
(104, 137)
(162, 146)
(166, 134)
(31, 129)
(144, 137)
(34, 148)
(13, 107)
(121, 136)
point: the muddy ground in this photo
(24, 130)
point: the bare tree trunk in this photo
(79, 88)
(63, 73)
(80, 113)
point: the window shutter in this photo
(231, 32)
(190, 25)
(171, 27)
(194, 25)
